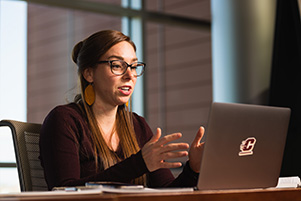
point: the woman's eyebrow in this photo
(121, 58)
(117, 57)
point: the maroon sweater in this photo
(66, 154)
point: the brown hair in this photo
(86, 54)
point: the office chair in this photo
(26, 144)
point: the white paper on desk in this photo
(146, 190)
(288, 182)
(50, 193)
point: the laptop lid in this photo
(244, 146)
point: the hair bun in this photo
(76, 50)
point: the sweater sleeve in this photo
(63, 139)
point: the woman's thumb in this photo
(156, 136)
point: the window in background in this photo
(133, 27)
(13, 29)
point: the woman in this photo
(96, 138)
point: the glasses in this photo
(119, 67)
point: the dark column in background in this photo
(285, 88)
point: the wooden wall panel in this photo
(52, 33)
(180, 100)
(199, 9)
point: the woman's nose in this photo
(129, 72)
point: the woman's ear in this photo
(88, 75)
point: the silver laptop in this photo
(244, 146)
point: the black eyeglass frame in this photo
(128, 65)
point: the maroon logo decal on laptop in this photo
(247, 146)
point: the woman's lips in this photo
(126, 90)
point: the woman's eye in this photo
(116, 66)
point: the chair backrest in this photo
(26, 144)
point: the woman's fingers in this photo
(171, 165)
(169, 138)
(198, 137)
(156, 137)
(171, 155)
(174, 146)
(157, 150)
(196, 150)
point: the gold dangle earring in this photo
(89, 94)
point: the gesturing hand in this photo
(156, 151)
(196, 151)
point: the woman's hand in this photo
(196, 151)
(156, 151)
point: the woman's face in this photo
(110, 89)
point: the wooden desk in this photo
(229, 195)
